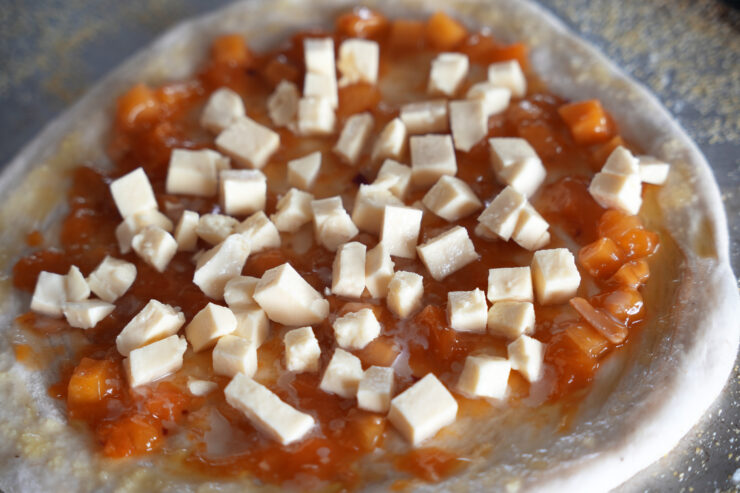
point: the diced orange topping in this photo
(443, 32)
(587, 121)
(279, 69)
(639, 243)
(602, 152)
(624, 304)
(139, 105)
(361, 23)
(368, 430)
(91, 382)
(574, 367)
(632, 274)
(616, 224)
(134, 435)
(587, 339)
(406, 34)
(601, 258)
(609, 328)
(383, 351)
(168, 402)
(232, 50)
(484, 50)
(357, 98)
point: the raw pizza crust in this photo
(644, 399)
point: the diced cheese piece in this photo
(400, 230)
(621, 162)
(86, 314)
(242, 191)
(516, 164)
(332, 224)
(315, 116)
(343, 374)
(288, 299)
(467, 310)
(378, 270)
(511, 318)
(348, 270)
(155, 360)
(355, 330)
(502, 214)
(220, 264)
(266, 411)
(391, 141)
(200, 388)
(319, 55)
(248, 143)
(223, 107)
(320, 86)
(302, 172)
(155, 246)
(133, 224)
(555, 275)
(252, 324)
(509, 75)
(260, 231)
(394, 176)
(612, 191)
(425, 117)
(526, 355)
(652, 170)
(469, 123)
(370, 203)
(282, 105)
(510, 284)
(155, 321)
(485, 376)
(447, 73)
(239, 292)
(195, 172)
(404, 293)
(376, 389)
(215, 228)
(531, 229)
(495, 99)
(111, 278)
(212, 322)
(133, 193)
(485, 233)
(423, 409)
(75, 285)
(293, 210)
(233, 354)
(186, 234)
(451, 199)
(302, 351)
(432, 156)
(448, 252)
(358, 61)
(354, 136)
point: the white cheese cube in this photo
(223, 107)
(400, 230)
(155, 246)
(288, 299)
(261, 233)
(293, 210)
(248, 143)
(233, 355)
(376, 389)
(370, 203)
(320, 86)
(495, 99)
(348, 270)
(252, 324)
(502, 214)
(282, 105)
(448, 252)
(425, 117)
(621, 162)
(319, 55)
(220, 264)
(516, 164)
(555, 275)
(483, 232)
(432, 156)
(212, 322)
(343, 374)
(195, 172)
(75, 285)
(469, 123)
(355, 330)
(153, 322)
(111, 279)
(133, 193)
(511, 319)
(302, 351)
(358, 61)
(451, 199)
(155, 360)
(316, 116)
(86, 314)
(526, 355)
(186, 234)
(652, 170)
(354, 136)
(394, 176)
(133, 224)
(531, 229)
(405, 292)
(200, 388)
(612, 191)
(485, 376)
(302, 172)
(332, 225)
(391, 141)
(266, 411)
(510, 284)
(242, 191)
(447, 73)
(378, 270)
(467, 310)
(509, 75)
(423, 409)
(215, 228)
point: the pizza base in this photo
(643, 400)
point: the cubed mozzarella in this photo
(405, 292)
(509, 75)
(86, 314)
(354, 136)
(358, 61)
(242, 191)
(320, 86)
(511, 319)
(652, 170)
(332, 225)
(447, 73)
(510, 284)
(315, 116)
(355, 330)
(153, 322)
(467, 310)
(502, 214)
(282, 105)
(370, 203)
(526, 355)
(376, 389)
(348, 270)
(186, 234)
(288, 299)
(531, 229)
(220, 264)
(469, 123)
(195, 172)
(239, 292)
(111, 278)
(293, 210)
(447, 252)
(451, 199)
(425, 117)
(212, 322)
(391, 141)
(555, 275)
(215, 228)
(342, 375)
(200, 388)
(302, 172)
(495, 99)
(155, 360)
(302, 351)
(252, 324)
(613, 191)
(233, 354)
(432, 156)
(516, 164)
(378, 270)
(485, 376)
(75, 285)
(400, 230)
(133, 193)
(261, 233)
(222, 109)
(621, 162)
(394, 176)
(319, 55)
(133, 224)
(155, 246)
(248, 143)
